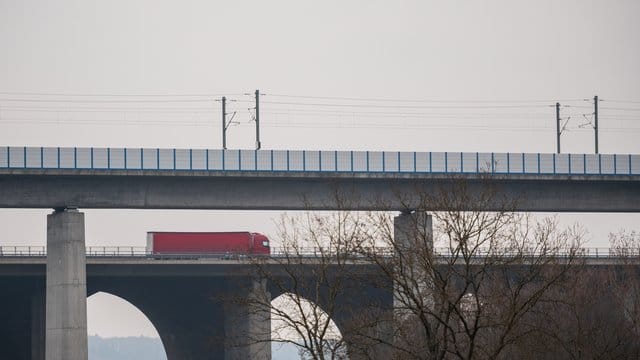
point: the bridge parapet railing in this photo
(445, 252)
(316, 161)
(33, 251)
(141, 251)
(117, 251)
(593, 252)
(91, 251)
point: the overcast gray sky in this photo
(366, 74)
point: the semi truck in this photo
(207, 243)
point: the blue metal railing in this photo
(317, 161)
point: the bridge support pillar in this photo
(248, 321)
(414, 231)
(66, 294)
(413, 235)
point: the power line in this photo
(130, 110)
(404, 106)
(51, 107)
(111, 95)
(393, 111)
(513, 105)
(298, 111)
(210, 95)
(621, 101)
(415, 100)
(108, 122)
(324, 124)
(440, 127)
(484, 117)
(104, 101)
(621, 118)
(284, 111)
(620, 109)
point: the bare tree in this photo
(464, 283)
(625, 244)
(595, 317)
(470, 298)
(313, 270)
(592, 312)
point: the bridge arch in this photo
(102, 305)
(182, 310)
(295, 319)
(358, 309)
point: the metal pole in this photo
(257, 119)
(595, 116)
(558, 125)
(224, 123)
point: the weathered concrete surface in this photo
(411, 227)
(247, 325)
(183, 300)
(146, 267)
(413, 234)
(153, 189)
(66, 294)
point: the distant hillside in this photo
(281, 351)
(145, 348)
(125, 348)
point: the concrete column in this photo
(66, 300)
(413, 235)
(247, 325)
(413, 229)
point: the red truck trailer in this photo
(212, 243)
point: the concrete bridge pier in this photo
(413, 230)
(247, 324)
(413, 236)
(66, 289)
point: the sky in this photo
(336, 75)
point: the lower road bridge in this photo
(197, 305)
(194, 302)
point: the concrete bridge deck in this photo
(33, 177)
(123, 260)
